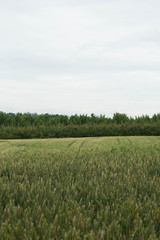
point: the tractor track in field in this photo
(6, 147)
(70, 144)
(118, 141)
(80, 147)
(129, 140)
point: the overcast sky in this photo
(80, 56)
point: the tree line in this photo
(28, 125)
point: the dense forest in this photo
(27, 125)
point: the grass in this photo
(88, 188)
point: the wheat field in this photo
(80, 188)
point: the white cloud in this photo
(80, 56)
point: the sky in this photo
(80, 56)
